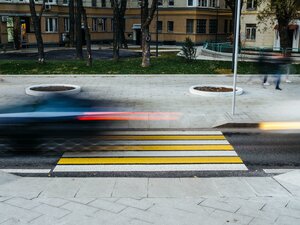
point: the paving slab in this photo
(25, 187)
(7, 177)
(292, 177)
(266, 186)
(130, 187)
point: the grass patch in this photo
(165, 64)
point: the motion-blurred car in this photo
(55, 116)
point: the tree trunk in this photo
(116, 35)
(87, 37)
(145, 48)
(72, 22)
(122, 24)
(79, 53)
(17, 32)
(37, 29)
(146, 18)
(123, 37)
(285, 42)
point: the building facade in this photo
(201, 20)
(255, 35)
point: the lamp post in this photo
(156, 29)
(236, 49)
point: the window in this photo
(94, 3)
(51, 25)
(212, 3)
(230, 26)
(103, 3)
(171, 3)
(51, 2)
(10, 29)
(170, 26)
(66, 24)
(159, 26)
(189, 26)
(160, 2)
(94, 24)
(213, 26)
(201, 26)
(65, 2)
(190, 2)
(251, 4)
(103, 24)
(250, 31)
(203, 3)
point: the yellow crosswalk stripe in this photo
(162, 137)
(164, 148)
(146, 160)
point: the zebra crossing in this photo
(146, 151)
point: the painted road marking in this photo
(165, 148)
(148, 154)
(39, 171)
(160, 137)
(154, 151)
(150, 168)
(164, 142)
(171, 132)
(148, 160)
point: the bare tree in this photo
(87, 37)
(37, 29)
(79, 53)
(284, 12)
(122, 23)
(72, 22)
(146, 18)
(17, 32)
(119, 8)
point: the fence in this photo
(227, 47)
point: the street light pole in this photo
(236, 48)
(157, 29)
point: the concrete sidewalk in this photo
(141, 201)
(163, 201)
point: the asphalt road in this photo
(258, 151)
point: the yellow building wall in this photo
(178, 15)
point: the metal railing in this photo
(226, 47)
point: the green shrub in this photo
(188, 49)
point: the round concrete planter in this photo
(73, 89)
(239, 91)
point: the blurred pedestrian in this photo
(288, 62)
(264, 68)
(275, 66)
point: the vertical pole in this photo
(157, 29)
(236, 48)
(234, 28)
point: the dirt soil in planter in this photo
(213, 89)
(52, 88)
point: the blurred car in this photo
(54, 116)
